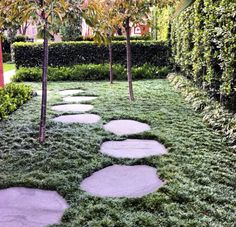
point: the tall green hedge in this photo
(203, 40)
(73, 53)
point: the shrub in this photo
(12, 97)
(20, 38)
(214, 114)
(74, 53)
(90, 72)
(203, 40)
(6, 45)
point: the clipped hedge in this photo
(74, 53)
(214, 114)
(90, 72)
(203, 40)
(12, 97)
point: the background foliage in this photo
(73, 53)
(161, 18)
(203, 40)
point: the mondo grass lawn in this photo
(8, 67)
(199, 168)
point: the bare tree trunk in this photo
(12, 34)
(25, 26)
(111, 63)
(42, 129)
(129, 62)
(1, 66)
(12, 52)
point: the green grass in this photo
(8, 67)
(199, 169)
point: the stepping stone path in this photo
(133, 148)
(24, 207)
(73, 108)
(122, 181)
(126, 127)
(78, 118)
(116, 180)
(79, 98)
(70, 92)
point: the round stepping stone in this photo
(133, 148)
(70, 92)
(24, 207)
(126, 127)
(79, 98)
(73, 108)
(78, 118)
(122, 181)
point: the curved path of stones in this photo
(33, 207)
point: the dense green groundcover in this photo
(214, 114)
(199, 169)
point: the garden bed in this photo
(199, 168)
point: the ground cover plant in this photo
(215, 114)
(199, 168)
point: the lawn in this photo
(8, 67)
(199, 169)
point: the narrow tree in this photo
(44, 12)
(2, 28)
(1, 65)
(99, 15)
(131, 12)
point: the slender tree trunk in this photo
(119, 31)
(42, 130)
(11, 36)
(25, 26)
(1, 66)
(12, 52)
(129, 62)
(111, 63)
